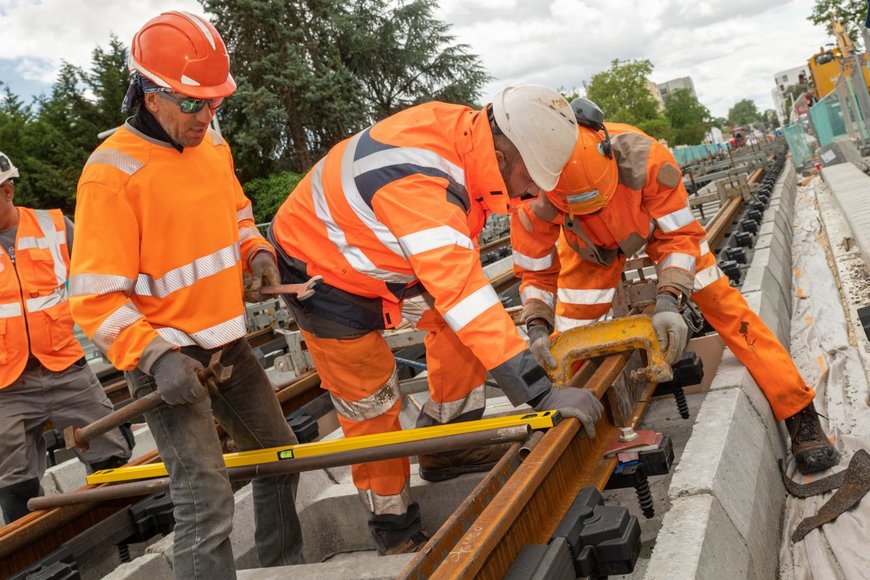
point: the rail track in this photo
(520, 501)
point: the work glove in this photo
(175, 375)
(573, 402)
(539, 343)
(670, 327)
(264, 272)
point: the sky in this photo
(731, 49)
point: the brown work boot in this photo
(444, 466)
(809, 443)
(412, 544)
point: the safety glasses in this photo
(192, 106)
(586, 202)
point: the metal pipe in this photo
(379, 453)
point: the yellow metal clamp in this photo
(535, 420)
(610, 337)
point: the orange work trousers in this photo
(588, 291)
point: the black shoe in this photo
(809, 443)
(444, 466)
(412, 544)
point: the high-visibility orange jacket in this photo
(400, 203)
(162, 238)
(34, 311)
(648, 208)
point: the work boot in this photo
(412, 544)
(444, 466)
(398, 534)
(14, 498)
(809, 443)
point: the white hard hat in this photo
(541, 125)
(7, 170)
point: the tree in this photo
(689, 118)
(771, 119)
(311, 72)
(403, 56)
(744, 112)
(50, 140)
(850, 13)
(659, 128)
(623, 93)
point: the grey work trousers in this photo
(246, 407)
(73, 396)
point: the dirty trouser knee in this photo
(360, 375)
(751, 341)
(13, 498)
(248, 410)
(456, 377)
(200, 489)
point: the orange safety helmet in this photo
(590, 177)
(183, 52)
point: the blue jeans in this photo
(246, 407)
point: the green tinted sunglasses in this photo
(191, 106)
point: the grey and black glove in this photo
(264, 272)
(175, 375)
(539, 343)
(670, 327)
(572, 402)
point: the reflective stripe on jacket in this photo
(34, 311)
(164, 237)
(649, 208)
(399, 203)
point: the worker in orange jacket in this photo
(165, 235)
(622, 190)
(389, 219)
(43, 372)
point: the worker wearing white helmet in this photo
(389, 219)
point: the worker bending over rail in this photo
(390, 219)
(620, 191)
(164, 236)
(43, 372)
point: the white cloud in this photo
(40, 35)
(731, 49)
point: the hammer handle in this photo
(118, 418)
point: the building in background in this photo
(654, 91)
(782, 100)
(672, 85)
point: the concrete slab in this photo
(147, 567)
(360, 566)
(698, 541)
(851, 189)
(733, 461)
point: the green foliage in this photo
(771, 119)
(623, 93)
(744, 112)
(268, 193)
(50, 140)
(311, 72)
(850, 13)
(659, 128)
(689, 118)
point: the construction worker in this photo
(164, 236)
(622, 190)
(43, 372)
(390, 219)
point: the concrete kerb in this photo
(849, 186)
(727, 497)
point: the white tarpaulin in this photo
(825, 354)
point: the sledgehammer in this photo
(211, 376)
